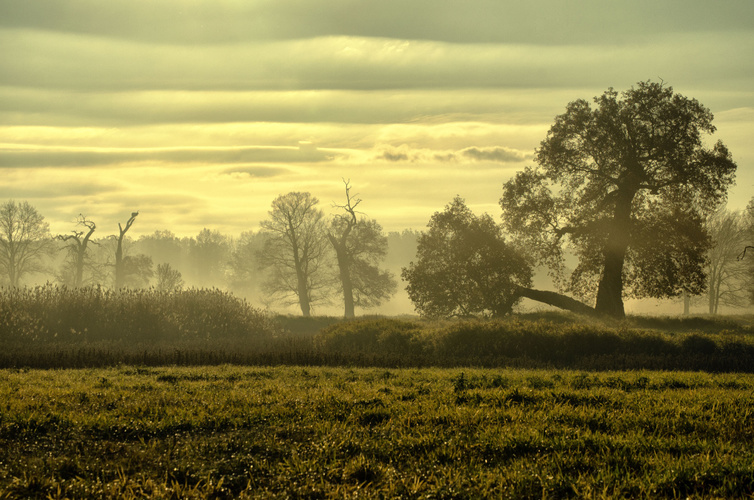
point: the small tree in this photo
(24, 240)
(168, 279)
(465, 267)
(295, 251)
(359, 247)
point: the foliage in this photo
(464, 266)
(239, 432)
(608, 180)
(24, 240)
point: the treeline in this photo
(256, 265)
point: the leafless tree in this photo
(120, 268)
(78, 242)
(359, 246)
(24, 240)
(727, 272)
(168, 279)
(295, 251)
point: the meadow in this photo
(196, 394)
(320, 432)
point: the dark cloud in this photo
(15, 158)
(497, 154)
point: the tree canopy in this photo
(464, 266)
(624, 185)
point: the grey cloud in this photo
(496, 154)
(471, 21)
(83, 158)
(260, 172)
(387, 155)
(69, 107)
(46, 60)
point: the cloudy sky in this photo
(198, 113)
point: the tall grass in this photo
(58, 327)
(75, 315)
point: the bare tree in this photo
(168, 279)
(295, 251)
(78, 243)
(120, 268)
(727, 273)
(24, 240)
(359, 246)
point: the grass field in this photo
(294, 432)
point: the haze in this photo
(198, 114)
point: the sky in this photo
(198, 113)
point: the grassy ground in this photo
(293, 432)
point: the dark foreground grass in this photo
(292, 432)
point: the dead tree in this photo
(79, 241)
(120, 271)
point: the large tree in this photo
(465, 267)
(24, 240)
(626, 186)
(359, 246)
(295, 251)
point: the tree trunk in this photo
(557, 300)
(610, 290)
(686, 303)
(345, 274)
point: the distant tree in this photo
(120, 265)
(359, 248)
(209, 253)
(625, 187)
(245, 276)
(78, 244)
(728, 275)
(295, 251)
(164, 246)
(465, 267)
(168, 279)
(24, 240)
(137, 270)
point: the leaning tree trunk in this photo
(557, 300)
